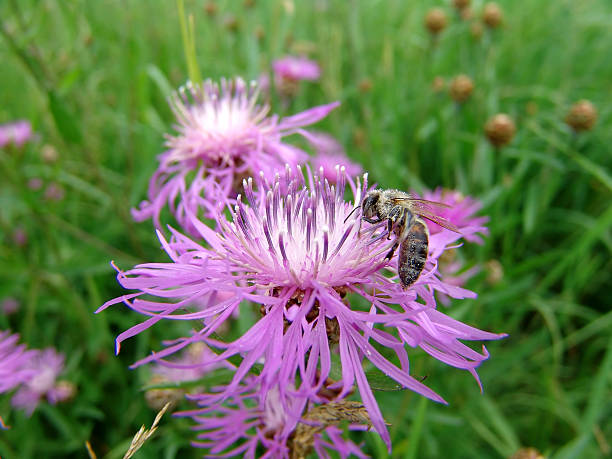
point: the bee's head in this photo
(368, 206)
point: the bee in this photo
(404, 214)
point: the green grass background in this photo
(93, 77)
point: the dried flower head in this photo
(461, 88)
(223, 136)
(581, 116)
(319, 277)
(492, 15)
(500, 130)
(435, 20)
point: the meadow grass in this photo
(93, 77)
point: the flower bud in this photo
(581, 116)
(492, 15)
(461, 88)
(500, 130)
(435, 20)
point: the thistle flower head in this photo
(17, 133)
(14, 362)
(9, 306)
(322, 284)
(461, 212)
(45, 365)
(296, 69)
(222, 135)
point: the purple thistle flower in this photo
(9, 306)
(461, 212)
(223, 136)
(17, 133)
(295, 69)
(252, 419)
(329, 154)
(14, 368)
(298, 252)
(14, 362)
(44, 366)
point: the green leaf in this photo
(64, 120)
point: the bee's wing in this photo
(417, 203)
(423, 208)
(439, 221)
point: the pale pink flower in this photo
(296, 69)
(45, 365)
(223, 135)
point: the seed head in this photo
(582, 116)
(435, 20)
(492, 15)
(461, 88)
(461, 4)
(500, 130)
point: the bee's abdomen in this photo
(413, 254)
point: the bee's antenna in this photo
(352, 212)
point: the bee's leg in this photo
(390, 228)
(393, 249)
(400, 237)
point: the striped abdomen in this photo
(413, 253)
